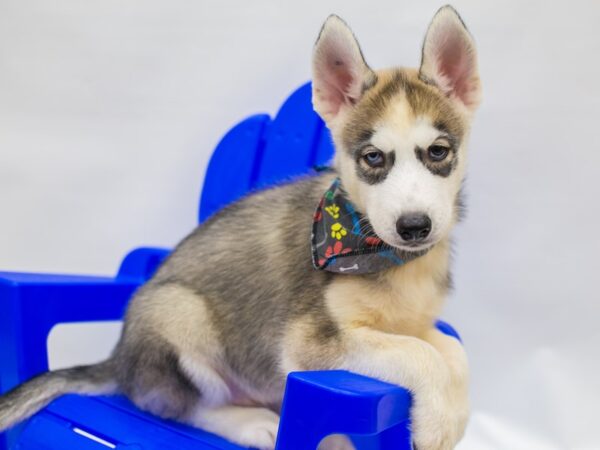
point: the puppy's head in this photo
(400, 134)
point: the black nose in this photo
(413, 227)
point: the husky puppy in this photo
(238, 305)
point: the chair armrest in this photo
(317, 404)
(32, 304)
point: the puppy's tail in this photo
(27, 399)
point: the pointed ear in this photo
(450, 59)
(340, 72)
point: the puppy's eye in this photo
(438, 152)
(374, 158)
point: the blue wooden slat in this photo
(291, 141)
(258, 152)
(126, 428)
(354, 404)
(233, 165)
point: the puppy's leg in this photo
(455, 357)
(188, 389)
(172, 365)
(246, 426)
(418, 366)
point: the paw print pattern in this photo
(333, 210)
(338, 231)
(337, 249)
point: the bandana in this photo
(343, 240)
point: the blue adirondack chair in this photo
(257, 152)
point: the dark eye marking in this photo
(440, 157)
(373, 164)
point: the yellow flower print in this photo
(338, 231)
(334, 211)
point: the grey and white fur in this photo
(210, 338)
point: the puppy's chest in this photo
(400, 303)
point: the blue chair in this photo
(257, 152)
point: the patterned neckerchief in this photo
(343, 240)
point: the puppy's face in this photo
(400, 134)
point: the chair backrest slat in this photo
(233, 167)
(260, 152)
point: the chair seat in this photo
(100, 423)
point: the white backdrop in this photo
(109, 111)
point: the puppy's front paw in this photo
(438, 425)
(258, 432)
